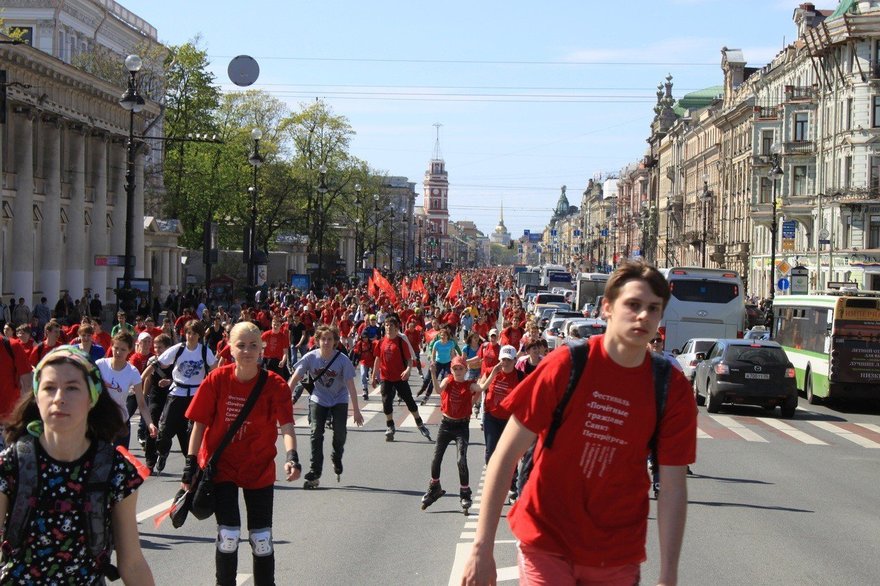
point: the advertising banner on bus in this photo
(856, 343)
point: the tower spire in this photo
(502, 212)
(438, 156)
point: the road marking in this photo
(739, 429)
(870, 427)
(793, 432)
(152, 511)
(508, 574)
(847, 435)
(242, 579)
(702, 434)
(410, 421)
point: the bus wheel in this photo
(700, 399)
(713, 401)
(808, 389)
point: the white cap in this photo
(493, 332)
(507, 352)
(144, 336)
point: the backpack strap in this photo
(98, 525)
(661, 369)
(24, 501)
(177, 355)
(205, 358)
(579, 353)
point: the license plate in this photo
(758, 375)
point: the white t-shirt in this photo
(119, 382)
(189, 372)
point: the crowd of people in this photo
(467, 334)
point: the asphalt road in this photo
(772, 502)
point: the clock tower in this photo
(436, 203)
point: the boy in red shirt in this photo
(275, 347)
(457, 396)
(363, 350)
(393, 360)
(595, 530)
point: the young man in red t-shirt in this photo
(393, 363)
(275, 347)
(457, 396)
(512, 334)
(488, 353)
(15, 374)
(599, 454)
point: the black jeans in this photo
(318, 421)
(443, 369)
(492, 430)
(390, 388)
(158, 398)
(452, 431)
(174, 423)
(258, 502)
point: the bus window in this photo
(703, 291)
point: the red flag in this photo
(455, 288)
(404, 290)
(371, 287)
(384, 285)
(418, 285)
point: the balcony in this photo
(799, 147)
(766, 113)
(799, 93)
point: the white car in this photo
(551, 332)
(687, 358)
(757, 333)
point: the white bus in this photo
(704, 303)
(833, 341)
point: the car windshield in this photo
(703, 291)
(587, 330)
(761, 356)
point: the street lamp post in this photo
(357, 223)
(375, 229)
(132, 101)
(391, 243)
(255, 160)
(322, 189)
(421, 251)
(774, 174)
(706, 198)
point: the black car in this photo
(752, 372)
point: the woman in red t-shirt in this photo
(249, 460)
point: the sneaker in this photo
(311, 480)
(143, 443)
(160, 462)
(366, 395)
(389, 434)
(423, 429)
(435, 491)
(511, 497)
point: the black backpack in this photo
(204, 356)
(99, 533)
(579, 353)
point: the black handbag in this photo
(202, 499)
(308, 383)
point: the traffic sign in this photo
(782, 284)
(553, 232)
(783, 267)
(789, 228)
(824, 234)
(577, 232)
(604, 232)
(526, 232)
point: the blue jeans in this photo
(492, 430)
(365, 376)
(318, 418)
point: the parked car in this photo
(687, 358)
(753, 372)
(586, 327)
(757, 333)
(550, 313)
(551, 332)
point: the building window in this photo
(801, 128)
(849, 113)
(874, 232)
(799, 180)
(875, 173)
(766, 141)
(766, 192)
(875, 121)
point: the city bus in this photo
(704, 303)
(833, 341)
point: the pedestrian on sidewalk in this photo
(333, 374)
(394, 364)
(248, 462)
(594, 531)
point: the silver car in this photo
(688, 356)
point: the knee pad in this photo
(227, 539)
(261, 542)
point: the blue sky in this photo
(531, 95)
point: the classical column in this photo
(22, 146)
(98, 231)
(117, 216)
(75, 247)
(137, 215)
(50, 269)
(164, 274)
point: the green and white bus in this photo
(833, 341)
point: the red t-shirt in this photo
(499, 388)
(601, 516)
(345, 327)
(488, 353)
(249, 459)
(225, 353)
(364, 349)
(393, 357)
(11, 370)
(415, 338)
(138, 360)
(41, 350)
(104, 341)
(511, 336)
(482, 329)
(276, 344)
(456, 399)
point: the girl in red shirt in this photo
(249, 460)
